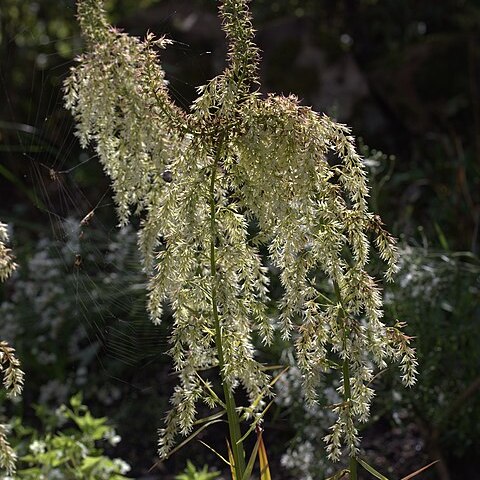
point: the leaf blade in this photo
(420, 470)
(371, 470)
(263, 459)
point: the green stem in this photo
(347, 391)
(232, 415)
(347, 396)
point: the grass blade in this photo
(232, 461)
(221, 457)
(262, 458)
(264, 391)
(192, 436)
(251, 461)
(371, 470)
(214, 416)
(420, 470)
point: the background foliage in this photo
(405, 75)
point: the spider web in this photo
(79, 298)
(83, 279)
(76, 308)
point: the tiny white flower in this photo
(112, 437)
(122, 466)
(37, 447)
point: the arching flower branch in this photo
(199, 179)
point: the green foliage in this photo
(439, 292)
(68, 446)
(27, 23)
(192, 473)
(68, 340)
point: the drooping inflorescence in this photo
(9, 365)
(7, 264)
(199, 179)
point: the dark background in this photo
(405, 75)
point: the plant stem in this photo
(232, 415)
(347, 396)
(347, 391)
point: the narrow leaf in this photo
(214, 416)
(232, 461)
(370, 469)
(420, 470)
(191, 437)
(262, 458)
(264, 391)
(251, 461)
(221, 457)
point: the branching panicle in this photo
(8, 457)
(7, 264)
(10, 366)
(13, 376)
(199, 178)
(93, 20)
(243, 54)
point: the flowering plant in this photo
(9, 364)
(69, 447)
(236, 176)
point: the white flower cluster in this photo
(112, 437)
(202, 180)
(419, 275)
